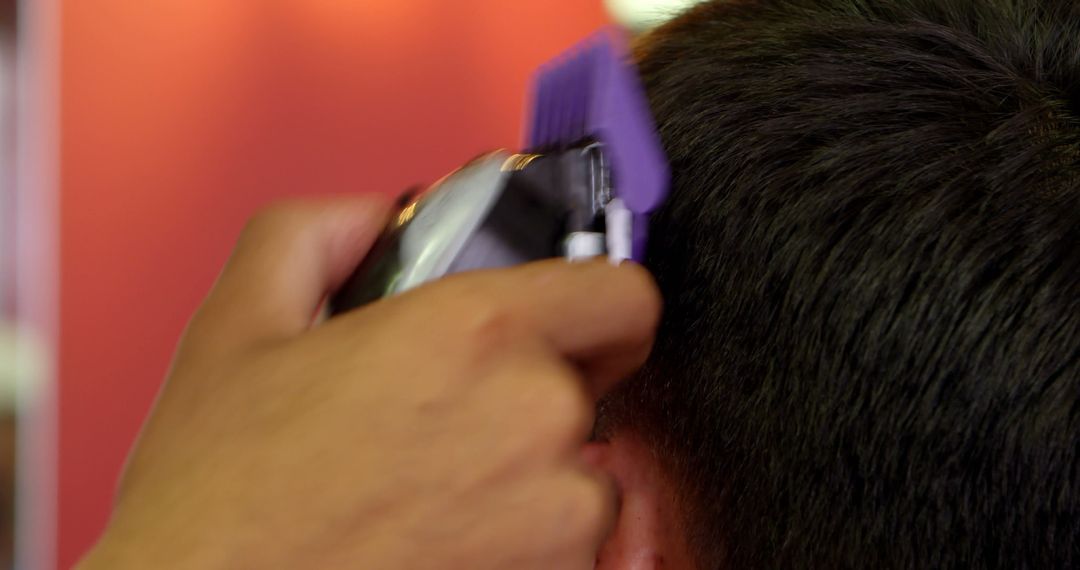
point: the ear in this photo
(648, 533)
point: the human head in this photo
(870, 353)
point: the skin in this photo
(648, 533)
(442, 428)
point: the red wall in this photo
(180, 117)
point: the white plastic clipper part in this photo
(620, 231)
(581, 246)
(616, 243)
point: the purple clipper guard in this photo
(593, 92)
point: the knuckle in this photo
(566, 412)
(486, 334)
(487, 323)
(482, 322)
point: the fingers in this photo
(577, 512)
(540, 395)
(288, 259)
(600, 317)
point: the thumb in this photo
(289, 257)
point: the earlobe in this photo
(648, 534)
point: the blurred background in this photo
(136, 138)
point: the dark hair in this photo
(870, 264)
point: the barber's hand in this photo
(440, 428)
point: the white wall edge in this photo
(37, 234)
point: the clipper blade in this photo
(592, 92)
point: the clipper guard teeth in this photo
(593, 92)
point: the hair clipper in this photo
(592, 171)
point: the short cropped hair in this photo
(870, 352)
